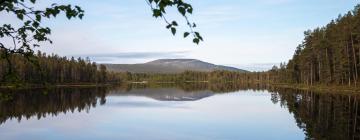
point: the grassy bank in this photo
(321, 88)
(315, 88)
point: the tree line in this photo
(53, 69)
(219, 76)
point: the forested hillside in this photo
(170, 66)
(53, 69)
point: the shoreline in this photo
(315, 88)
(39, 86)
(320, 88)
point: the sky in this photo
(242, 33)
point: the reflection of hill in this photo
(191, 87)
(167, 94)
(182, 92)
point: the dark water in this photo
(177, 112)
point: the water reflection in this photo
(22, 104)
(322, 116)
(319, 115)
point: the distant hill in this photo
(169, 66)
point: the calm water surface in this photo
(176, 113)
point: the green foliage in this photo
(30, 33)
(31, 30)
(159, 11)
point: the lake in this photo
(177, 112)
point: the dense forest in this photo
(53, 69)
(191, 76)
(327, 55)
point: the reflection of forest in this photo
(320, 115)
(40, 103)
(20, 104)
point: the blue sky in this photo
(236, 32)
